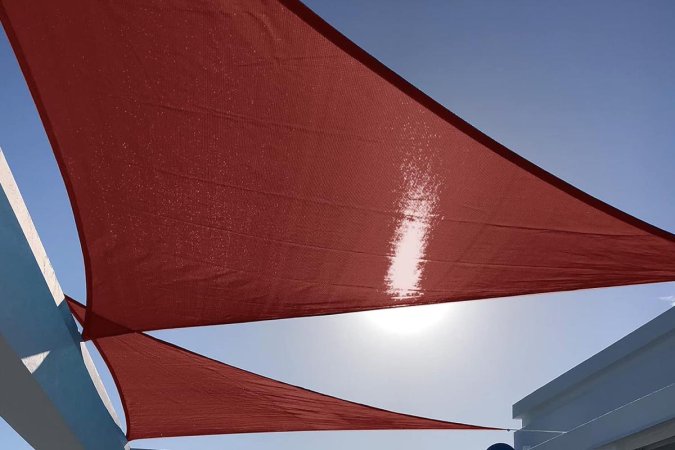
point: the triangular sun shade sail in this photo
(169, 391)
(231, 161)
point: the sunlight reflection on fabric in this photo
(410, 239)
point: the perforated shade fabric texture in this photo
(169, 391)
(232, 161)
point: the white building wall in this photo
(625, 391)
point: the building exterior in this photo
(623, 398)
(50, 392)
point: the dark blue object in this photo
(500, 447)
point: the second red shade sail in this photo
(169, 391)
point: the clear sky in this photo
(584, 89)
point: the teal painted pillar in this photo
(50, 392)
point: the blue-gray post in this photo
(50, 392)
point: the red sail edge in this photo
(236, 161)
(169, 391)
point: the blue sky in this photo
(584, 89)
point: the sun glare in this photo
(412, 320)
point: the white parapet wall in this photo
(623, 398)
(50, 392)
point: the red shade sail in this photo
(233, 161)
(169, 391)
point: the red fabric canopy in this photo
(169, 391)
(233, 161)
